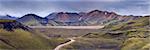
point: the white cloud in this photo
(133, 11)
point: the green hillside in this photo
(130, 35)
(20, 39)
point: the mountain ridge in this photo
(95, 17)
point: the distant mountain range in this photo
(7, 17)
(95, 17)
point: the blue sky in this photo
(44, 7)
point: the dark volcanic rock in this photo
(9, 25)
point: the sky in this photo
(43, 8)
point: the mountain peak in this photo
(30, 15)
(8, 15)
(95, 11)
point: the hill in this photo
(16, 36)
(130, 35)
(32, 20)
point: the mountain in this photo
(95, 17)
(32, 20)
(8, 17)
(66, 18)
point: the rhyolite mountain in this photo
(65, 19)
(95, 17)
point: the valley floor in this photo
(69, 27)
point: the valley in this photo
(98, 30)
(74, 24)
